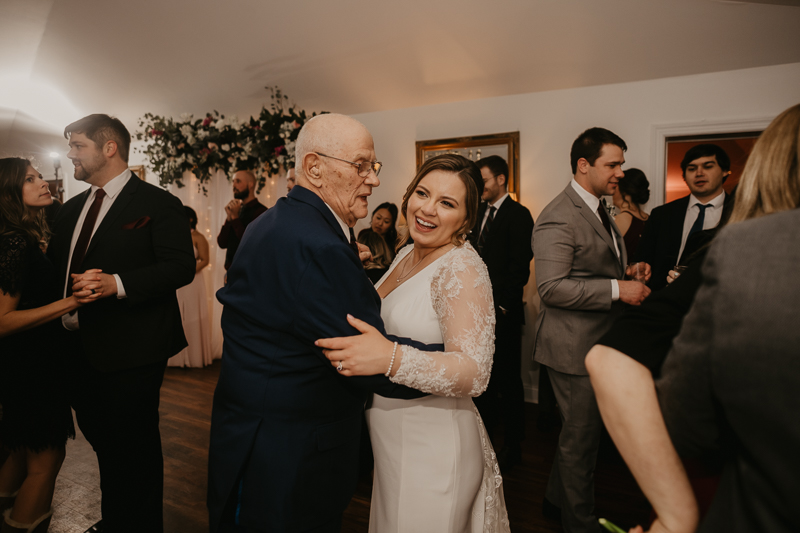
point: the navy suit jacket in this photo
(285, 425)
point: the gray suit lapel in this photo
(591, 218)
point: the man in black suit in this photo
(239, 212)
(138, 236)
(502, 236)
(666, 234)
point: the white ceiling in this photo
(62, 59)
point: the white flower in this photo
(187, 130)
(290, 148)
(226, 147)
(186, 117)
(243, 157)
(220, 124)
(202, 134)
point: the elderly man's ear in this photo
(312, 169)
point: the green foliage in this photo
(264, 144)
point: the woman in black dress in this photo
(384, 219)
(631, 194)
(36, 418)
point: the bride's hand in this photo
(366, 354)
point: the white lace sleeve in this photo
(461, 293)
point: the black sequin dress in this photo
(33, 391)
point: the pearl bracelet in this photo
(391, 363)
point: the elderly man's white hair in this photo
(326, 133)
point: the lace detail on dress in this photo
(492, 516)
(12, 263)
(461, 294)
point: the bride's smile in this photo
(436, 209)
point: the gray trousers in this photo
(571, 483)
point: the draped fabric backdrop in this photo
(210, 217)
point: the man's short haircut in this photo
(496, 165)
(101, 129)
(706, 150)
(589, 145)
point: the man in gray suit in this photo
(580, 259)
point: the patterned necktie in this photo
(701, 218)
(607, 224)
(485, 230)
(84, 237)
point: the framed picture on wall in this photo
(139, 171)
(506, 145)
(737, 145)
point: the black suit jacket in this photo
(661, 239)
(284, 421)
(145, 239)
(507, 253)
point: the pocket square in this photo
(138, 223)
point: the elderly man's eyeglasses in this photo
(363, 168)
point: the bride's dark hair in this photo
(469, 174)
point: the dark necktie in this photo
(485, 230)
(84, 237)
(698, 224)
(607, 224)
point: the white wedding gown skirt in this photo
(431, 453)
(193, 303)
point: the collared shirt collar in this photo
(345, 227)
(499, 202)
(591, 200)
(717, 202)
(114, 186)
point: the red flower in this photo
(207, 121)
(205, 151)
(155, 132)
(278, 150)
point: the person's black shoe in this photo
(97, 528)
(549, 510)
(508, 457)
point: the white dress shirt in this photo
(496, 205)
(594, 202)
(711, 220)
(112, 189)
(345, 227)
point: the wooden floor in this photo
(185, 421)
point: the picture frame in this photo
(139, 170)
(475, 147)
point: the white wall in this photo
(548, 122)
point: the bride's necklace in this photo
(403, 276)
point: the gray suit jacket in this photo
(575, 261)
(732, 377)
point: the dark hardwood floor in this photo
(185, 420)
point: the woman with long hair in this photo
(631, 194)
(383, 222)
(36, 418)
(435, 469)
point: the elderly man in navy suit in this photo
(285, 425)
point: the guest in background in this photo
(291, 181)
(193, 302)
(740, 329)
(36, 419)
(381, 255)
(633, 191)
(705, 168)
(580, 258)
(384, 219)
(241, 211)
(502, 236)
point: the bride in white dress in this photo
(435, 470)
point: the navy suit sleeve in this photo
(333, 285)
(520, 255)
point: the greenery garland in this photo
(264, 144)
